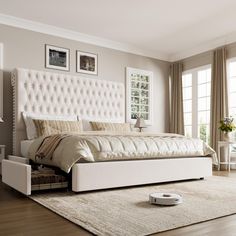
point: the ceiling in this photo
(164, 29)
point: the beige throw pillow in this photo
(48, 127)
(105, 126)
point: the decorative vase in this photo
(226, 136)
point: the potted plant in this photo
(226, 126)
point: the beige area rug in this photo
(128, 212)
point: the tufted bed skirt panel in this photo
(41, 92)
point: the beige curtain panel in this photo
(219, 95)
(176, 99)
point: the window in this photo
(231, 74)
(187, 100)
(196, 102)
(204, 100)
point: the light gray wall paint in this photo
(197, 60)
(205, 58)
(23, 48)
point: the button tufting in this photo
(65, 94)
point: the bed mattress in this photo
(64, 150)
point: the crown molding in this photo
(210, 45)
(106, 43)
(73, 35)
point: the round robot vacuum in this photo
(166, 199)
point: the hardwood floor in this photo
(21, 216)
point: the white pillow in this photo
(86, 125)
(31, 130)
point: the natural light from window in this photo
(187, 100)
(204, 101)
(231, 71)
(196, 102)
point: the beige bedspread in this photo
(105, 146)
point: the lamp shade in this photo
(140, 123)
(1, 120)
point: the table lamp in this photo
(140, 123)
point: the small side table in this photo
(2, 152)
(227, 145)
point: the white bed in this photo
(41, 92)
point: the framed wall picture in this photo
(87, 63)
(57, 58)
(139, 97)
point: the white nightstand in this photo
(2, 153)
(227, 145)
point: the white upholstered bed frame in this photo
(48, 93)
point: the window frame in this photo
(228, 61)
(195, 98)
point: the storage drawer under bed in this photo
(18, 174)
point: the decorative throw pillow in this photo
(106, 126)
(31, 130)
(48, 127)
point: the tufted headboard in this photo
(47, 93)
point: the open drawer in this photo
(18, 174)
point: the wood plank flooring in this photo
(20, 216)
